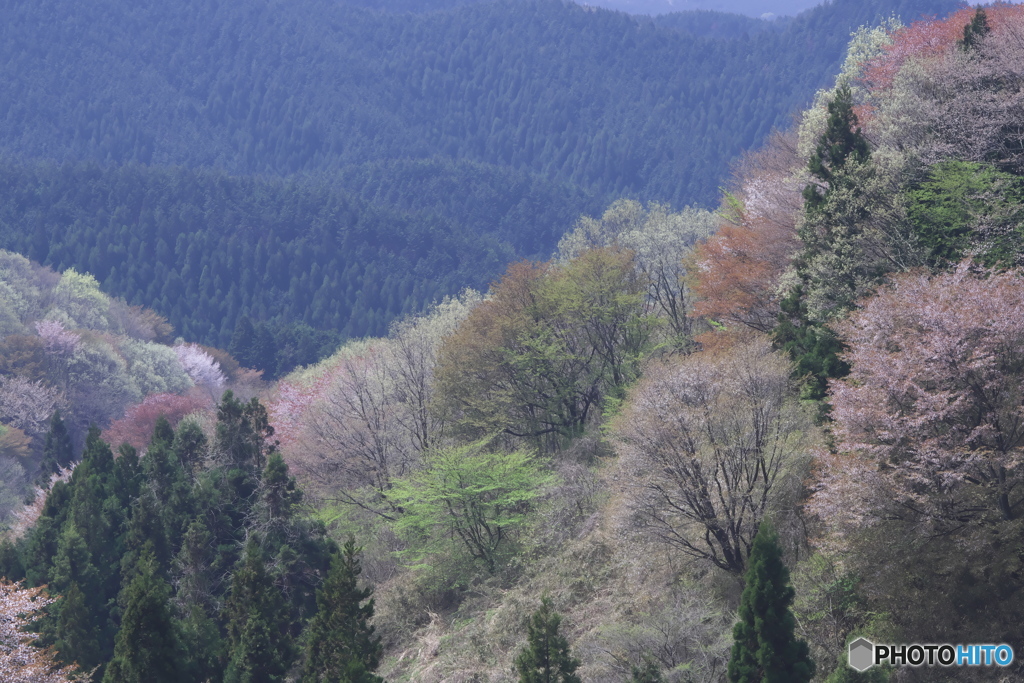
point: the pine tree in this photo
(341, 646)
(146, 646)
(57, 449)
(546, 657)
(765, 649)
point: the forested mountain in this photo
(606, 101)
(432, 148)
(206, 249)
(692, 446)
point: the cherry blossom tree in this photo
(199, 365)
(58, 341)
(27, 405)
(359, 419)
(929, 425)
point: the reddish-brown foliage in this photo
(136, 427)
(736, 271)
(931, 38)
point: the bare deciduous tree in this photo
(707, 441)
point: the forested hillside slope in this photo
(310, 262)
(603, 100)
(597, 446)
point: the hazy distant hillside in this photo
(456, 140)
(611, 103)
(750, 8)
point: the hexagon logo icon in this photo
(862, 654)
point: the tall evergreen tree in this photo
(243, 433)
(146, 647)
(260, 648)
(975, 30)
(57, 449)
(546, 657)
(243, 342)
(81, 621)
(190, 446)
(841, 143)
(829, 229)
(341, 645)
(765, 649)
(75, 638)
(169, 484)
(195, 583)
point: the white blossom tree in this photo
(20, 660)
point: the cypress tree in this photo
(341, 646)
(76, 639)
(260, 649)
(196, 583)
(546, 657)
(841, 142)
(146, 646)
(975, 30)
(170, 485)
(57, 449)
(811, 345)
(82, 619)
(243, 342)
(280, 493)
(190, 446)
(765, 649)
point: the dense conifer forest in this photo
(460, 139)
(690, 445)
(312, 263)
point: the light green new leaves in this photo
(469, 494)
(78, 295)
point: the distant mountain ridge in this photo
(428, 120)
(750, 8)
(614, 104)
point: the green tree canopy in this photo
(341, 645)
(471, 494)
(546, 658)
(765, 649)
